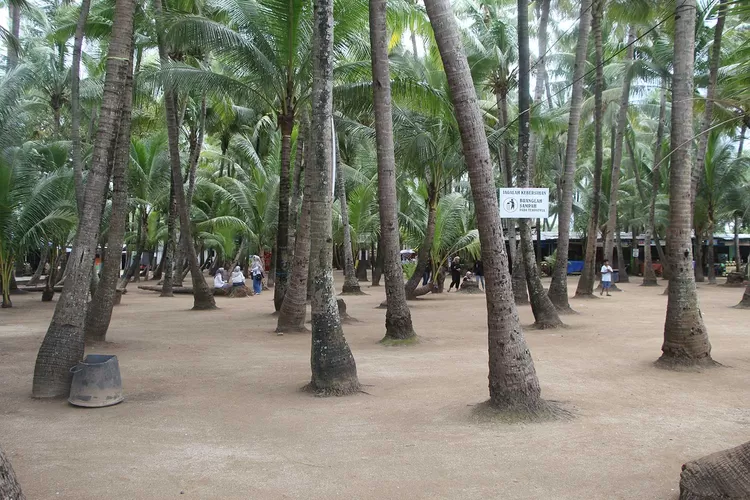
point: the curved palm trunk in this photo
(9, 487)
(700, 276)
(558, 290)
(423, 254)
(334, 371)
(299, 169)
(541, 76)
(685, 336)
(63, 345)
(710, 253)
(588, 275)
(622, 123)
(351, 284)
(37, 276)
(737, 253)
(286, 122)
(294, 308)
(202, 295)
(545, 314)
(75, 105)
(169, 246)
(398, 325)
(513, 383)
(99, 313)
(623, 271)
(724, 474)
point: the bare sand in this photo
(213, 407)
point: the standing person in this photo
(238, 279)
(479, 273)
(256, 271)
(455, 274)
(427, 272)
(606, 278)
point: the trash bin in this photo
(96, 382)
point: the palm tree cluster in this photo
(197, 134)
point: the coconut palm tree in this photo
(558, 290)
(334, 371)
(514, 385)
(9, 487)
(63, 344)
(398, 324)
(685, 336)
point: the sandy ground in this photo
(213, 407)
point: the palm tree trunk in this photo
(700, 276)
(541, 76)
(334, 371)
(713, 72)
(202, 295)
(743, 131)
(376, 263)
(622, 123)
(14, 15)
(724, 474)
(710, 255)
(99, 312)
(518, 278)
(588, 275)
(351, 284)
(9, 487)
(297, 188)
(649, 277)
(63, 344)
(623, 272)
(44, 257)
(286, 123)
(513, 383)
(294, 308)
(685, 336)
(75, 103)
(398, 325)
(745, 302)
(545, 314)
(558, 290)
(737, 253)
(423, 254)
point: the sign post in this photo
(524, 203)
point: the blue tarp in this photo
(575, 266)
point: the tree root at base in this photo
(326, 392)
(542, 411)
(390, 341)
(682, 364)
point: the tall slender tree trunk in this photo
(513, 383)
(75, 103)
(743, 131)
(294, 308)
(710, 252)
(351, 284)
(541, 76)
(99, 312)
(298, 186)
(623, 271)
(398, 325)
(558, 290)
(44, 258)
(545, 314)
(737, 253)
(202, 295)
(700, 276)
(713, 73)
(622, 123)
(518, 278)
(685, 336)
(649, 277)
(588, 275)
(9, 487)
(423, 253)
(286, 123)
(334, 371)
(14, 14)
(63, 344)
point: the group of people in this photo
(238, 277)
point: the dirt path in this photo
(213, 409)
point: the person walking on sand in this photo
(455, 274)
(256, 272)
(479, 273)
(606, 278)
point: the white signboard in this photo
(636, 253)
(524, 203)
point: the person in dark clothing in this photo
(427, 273)
(455, 274)
(479, 273)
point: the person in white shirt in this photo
(256, 272)
(606, 278)
(238, 279)
(219, 280)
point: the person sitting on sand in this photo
(219, 282)
(238, 279)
